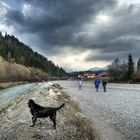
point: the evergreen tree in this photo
(130, 67)
(118, 71)
(114, 70)
(138, 65)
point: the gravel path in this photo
(71, 124)
(115, 114)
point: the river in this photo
(11, 93)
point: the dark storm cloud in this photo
(60, 23)
(102, 57)
(118, 48)
(56, 21)
(119, 38)
(118, 45)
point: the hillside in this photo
(11, 72)
(14, 50)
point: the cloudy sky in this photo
(75, 34)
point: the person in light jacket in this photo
(80, 83)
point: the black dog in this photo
(38, 111)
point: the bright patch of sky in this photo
(15, 4)
(129, 2)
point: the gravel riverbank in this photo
(115, 114)
(71, 124)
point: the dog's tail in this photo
(60, 107)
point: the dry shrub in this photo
(84, 129)
(16, 72)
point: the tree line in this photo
(12, 49)
(125, 72)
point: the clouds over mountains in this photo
(55, 26)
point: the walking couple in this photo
(97, 84)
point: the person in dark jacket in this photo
(97, 84)
(104, 83)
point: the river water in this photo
(9, 94)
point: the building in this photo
(87, 75)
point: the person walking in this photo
(104, 83)
(80, 83)
(97, 84)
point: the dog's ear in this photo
(31, 102)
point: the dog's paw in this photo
(32, 125)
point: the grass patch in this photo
(43, 93)
(55, 85)
(83, 127)
(6, 106)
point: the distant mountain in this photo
(98, 69)
(12, 49)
